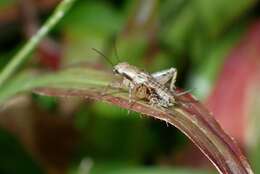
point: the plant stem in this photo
(22, 55)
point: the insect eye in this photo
(115, 71)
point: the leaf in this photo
(78, 78)
(240, 78)
(189, 117)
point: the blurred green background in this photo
(213, 44)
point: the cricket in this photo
(157, 88)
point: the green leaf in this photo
(191, 118)
(79, 78)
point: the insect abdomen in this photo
(165, 97)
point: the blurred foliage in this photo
(194, 36)
(83, 31)
(114, 169)
(201, 30)
(6, 2)
(14, 158)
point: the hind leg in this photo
(165, 76)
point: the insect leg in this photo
(133, 93)
(130, 94)
(153, 101)
(184, 92)
(165, 76)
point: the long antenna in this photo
(106, 58)
(116, 53)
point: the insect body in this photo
(143, 85)
(149, 86)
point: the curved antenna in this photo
(116, 53)
(106, 58)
